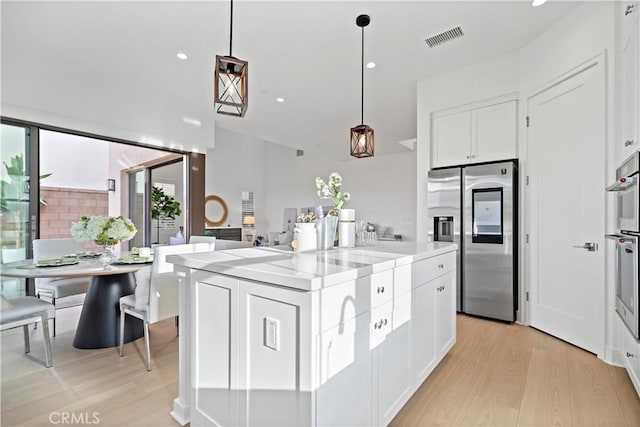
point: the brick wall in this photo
(68, 205)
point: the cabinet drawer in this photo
(430, 268)
(381, 323)
(354, 298)
(381, 287)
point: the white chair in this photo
(23, 311)
(56, 288)
(156, 294)
(222, 245)
(204, 239)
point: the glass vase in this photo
(107, 257)
(326, 228)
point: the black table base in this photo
(99, 324)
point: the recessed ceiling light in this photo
(280, 99)
(371, 65)
(182, 55)
(535, 3)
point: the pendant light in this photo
(362, 135)
(231, 81)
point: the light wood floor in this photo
(496, 375)
(511, 375)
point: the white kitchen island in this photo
(338, 337)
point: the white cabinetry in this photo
(476, 135)
(629, 78)
(345, 365)
(391, 358)
(434, 327)
(340, 355)
(630, 354)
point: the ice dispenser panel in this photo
(443, 228)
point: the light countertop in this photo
(310, 271)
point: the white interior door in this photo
(566, 140)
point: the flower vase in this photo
(107, 257)
(305, 236)
(326, 227)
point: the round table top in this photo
(90, 267)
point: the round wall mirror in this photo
(215, 211)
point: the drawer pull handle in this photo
(629, 354)
(629, 9)
(441, 266)
(380, 289)
(628, 142)
(380, 324)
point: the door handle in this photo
(590, 246)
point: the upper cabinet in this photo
(476, 135)
(629, 78)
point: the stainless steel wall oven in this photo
(626, 240)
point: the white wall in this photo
(237, 164)
(73, 161)
(382, 188)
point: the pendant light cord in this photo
(231, 30)
(362, 88)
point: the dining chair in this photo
(22, 311)
(56, 288)
(204, 239)
(156, 294)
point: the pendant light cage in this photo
(231, 86)
(362, 141)
(362, 138)
(231, 81)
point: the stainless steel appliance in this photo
(627, 194)
(481, 201)
(626, 239)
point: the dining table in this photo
(99, 322)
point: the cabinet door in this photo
(392, 363)
(629, 78)
(493, 132)
(630, 355)
(343, 396)
(445, 313)
(423, 331)
(451, 139)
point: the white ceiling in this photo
(114, 63)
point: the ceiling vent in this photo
(447, 36)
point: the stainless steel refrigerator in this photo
(476, 207)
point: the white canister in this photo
(305, 236)
(347, 228)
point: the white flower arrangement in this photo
(333, 190)
(307, 217)
(103, 230)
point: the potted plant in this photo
(14, 196)
(163, 206)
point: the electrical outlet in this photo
(271, 333)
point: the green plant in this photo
(163, 206)
(14, 195)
